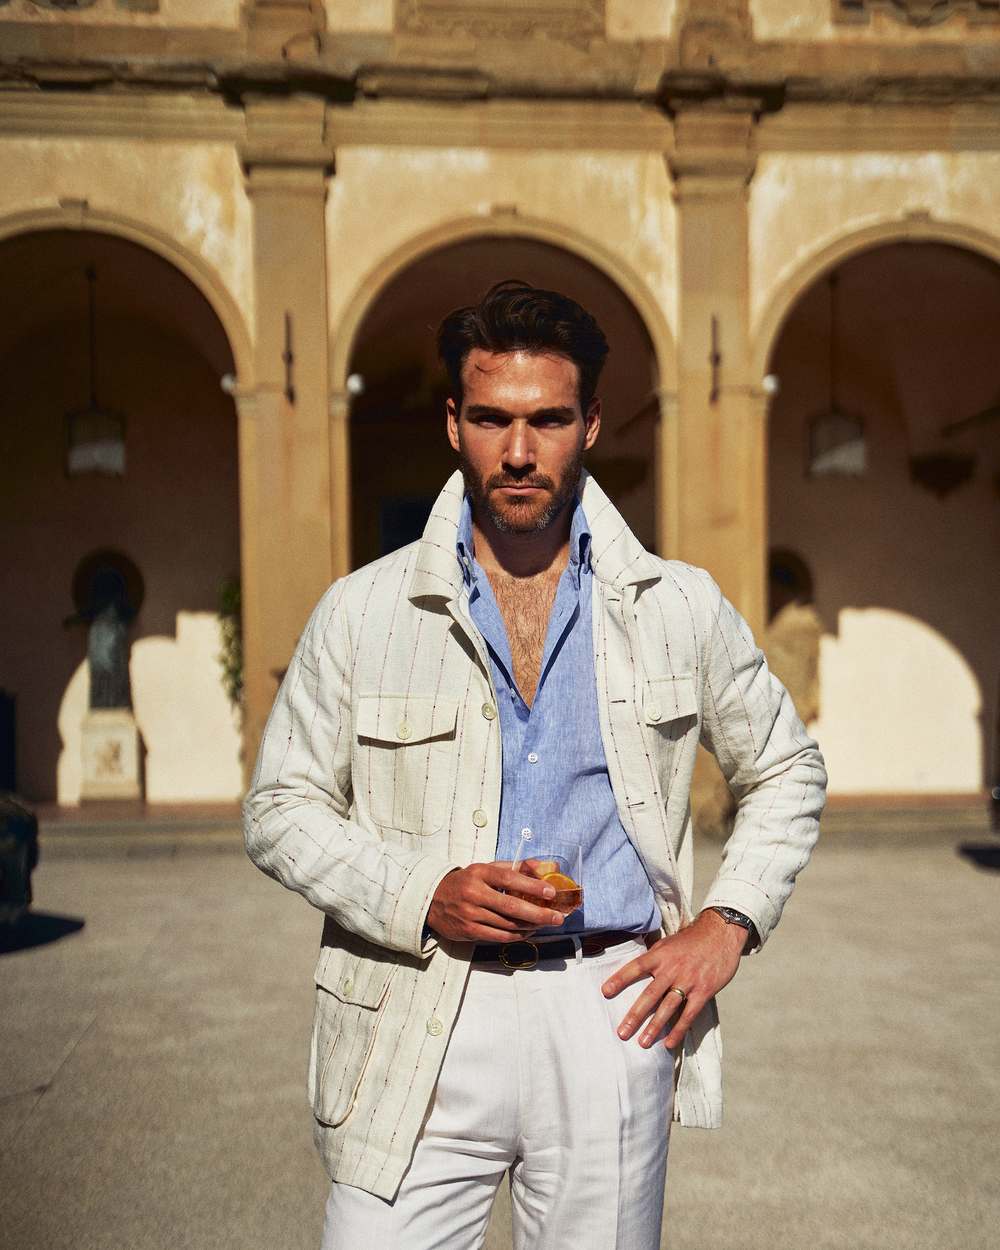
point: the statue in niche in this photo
(107, 612)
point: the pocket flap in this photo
(669, 698)
(353, 978)
(405, 718)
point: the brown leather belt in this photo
(527, 954)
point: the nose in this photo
(519, 451)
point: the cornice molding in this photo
(160, 115)
(545, 125)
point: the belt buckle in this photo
(529, 959)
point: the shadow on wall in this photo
(188, 726)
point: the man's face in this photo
(521, 435)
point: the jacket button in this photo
(348, 986)
(479, 818)
(434, 1027)
(653, 711)
(403, 730)
(489, 711)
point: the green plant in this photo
(231, 629)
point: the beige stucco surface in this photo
(813, 19)
(187, 725)
(639, 19)
(191, 193)
(802, 204)
(359, 15)
(382, 199)
(899, 708)
(224, 13)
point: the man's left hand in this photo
(699, 960)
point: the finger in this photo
(632, 971)
(684, 1022)
(670, 1005)
(655, 998)
(524, 883)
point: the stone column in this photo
(715, 491)
(284, 427)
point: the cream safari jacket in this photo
(380, 772)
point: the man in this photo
(525, 666)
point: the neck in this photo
(522, 555)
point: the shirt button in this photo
(403, 730)
(532, 758)
(653, 711)
(489, 711)
(479, 818)
(434, 1027)
(525, 833)
(348, 986)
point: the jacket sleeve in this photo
(296, 817)
(772, 766)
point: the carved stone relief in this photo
(570, 20)
(918, 12)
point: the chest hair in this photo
(525, 604)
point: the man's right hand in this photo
(469, 905)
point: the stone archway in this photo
(399, 454)
(909, 545)
(161, 351)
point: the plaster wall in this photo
(189, 730)
(381, 199)
(640, 19)
(218, 13)
(360, 15)
(175, 513)
(191, 193)
(802, 203)
(900, 708)
(813, 19)
(906, 583)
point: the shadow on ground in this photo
(36, 928)
(986, 855)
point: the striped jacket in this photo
(380, 771)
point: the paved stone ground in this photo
(151, 1088)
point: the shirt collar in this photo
(580, 540)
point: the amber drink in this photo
(559, 863)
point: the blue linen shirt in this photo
(555, 775)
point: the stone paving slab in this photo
(152, 1083)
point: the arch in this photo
(506, 225)
(79, 216)
(915, 227)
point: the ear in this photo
(453, 425)
(593, 423)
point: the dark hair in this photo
(513, 316)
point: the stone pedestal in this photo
(111, 755)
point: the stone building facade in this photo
(284, 196)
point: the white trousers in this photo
(536, 1081)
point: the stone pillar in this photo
(714, 500)
(284, 427)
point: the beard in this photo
(522, 516)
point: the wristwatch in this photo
(731, 916)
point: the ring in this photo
(674, 990)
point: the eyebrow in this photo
(485, 410)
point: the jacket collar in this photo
(617, 556)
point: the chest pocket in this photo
(406, 745)
(670, 699)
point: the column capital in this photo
(285, 133)
(714, 146)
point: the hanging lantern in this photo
(95, 436)
(837, 442)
